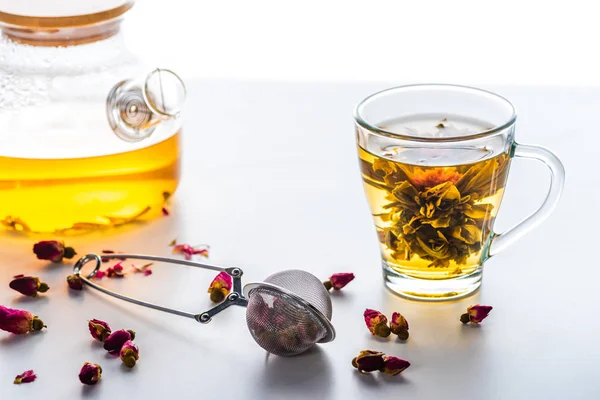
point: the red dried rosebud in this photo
(220, 287)
(394, 365)
(369, 361)
(377, 323)
(28, 285)
(90, 373)
(99, 329)
(25, 377)
(52, 250)
(19, 322)
(475, 314)
(75, 282)
(399, 326)
(129, 354)
(116, 270)
(339, 280)
(115, 340)
(188, 251)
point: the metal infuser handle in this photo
(234, 298)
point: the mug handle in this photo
(500, 241)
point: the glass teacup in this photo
(434, 162)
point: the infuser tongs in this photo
(286, 314)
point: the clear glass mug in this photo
(434, 161)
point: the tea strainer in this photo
(286, 314)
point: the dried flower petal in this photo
(475, 314)
(52, 250)
(173, 243)
(19, 322)
(115, 340)
(99, 274)
(143, 268)
(188, 251)
(339, 280)
(129, 354)
(369, 361)
(99, 329)
(25, 377)
(147, 272)
(394, 365)
(90, 373)
(377, 323)
(75, 282)
(116, 270)
(220, 287)
(399, 326)
(165, 212)
(28, 285)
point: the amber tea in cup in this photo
(434, 161)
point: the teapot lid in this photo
(61, 13)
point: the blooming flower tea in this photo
(433, 208)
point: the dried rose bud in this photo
(188, 251)
(115, 340)
(25, 377)
(220, 287)
(394, 365)
(129, 354)
(399, 326)
(99, 329)
(19, 322)
(475, 314)
(52, 250)
(90, 373)
(377, 323)
(369, 361)
(75, 282)
(339, 280)
(28, 285)
(116, 270)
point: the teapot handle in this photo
(500, 241)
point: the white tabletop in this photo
(270, 181)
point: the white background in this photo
(472, 42)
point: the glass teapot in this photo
(89, 138)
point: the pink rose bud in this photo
(116, 270)
(377, 323)
(129, 354)
(339, 280)
(475, 314)
(189, 251)
(369, 361)
(25, 377)
(220, 287)
(75, 282)
(90, 373)
(394, 365)
(19, 322)
(28, 285)
(399, 326)
(52, 250)
(115, 340)
(99, 329)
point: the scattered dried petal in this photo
(147, 272)
(377, 323)
(173, 243)
(99, 329)
(25, 377)
(394, 365)
(399, 326)
(165, 212)
(129, 354)
(143, 268)
(115, 340)
(339, 280)
(90, 373)
(19, 322)
(99, 274)
(188, 251)
(28, 285)
(369, 361)
(53, 250)
(116, 270)
(475, 314)
(220, 287)
(75, 282)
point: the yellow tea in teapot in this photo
(433, 212)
